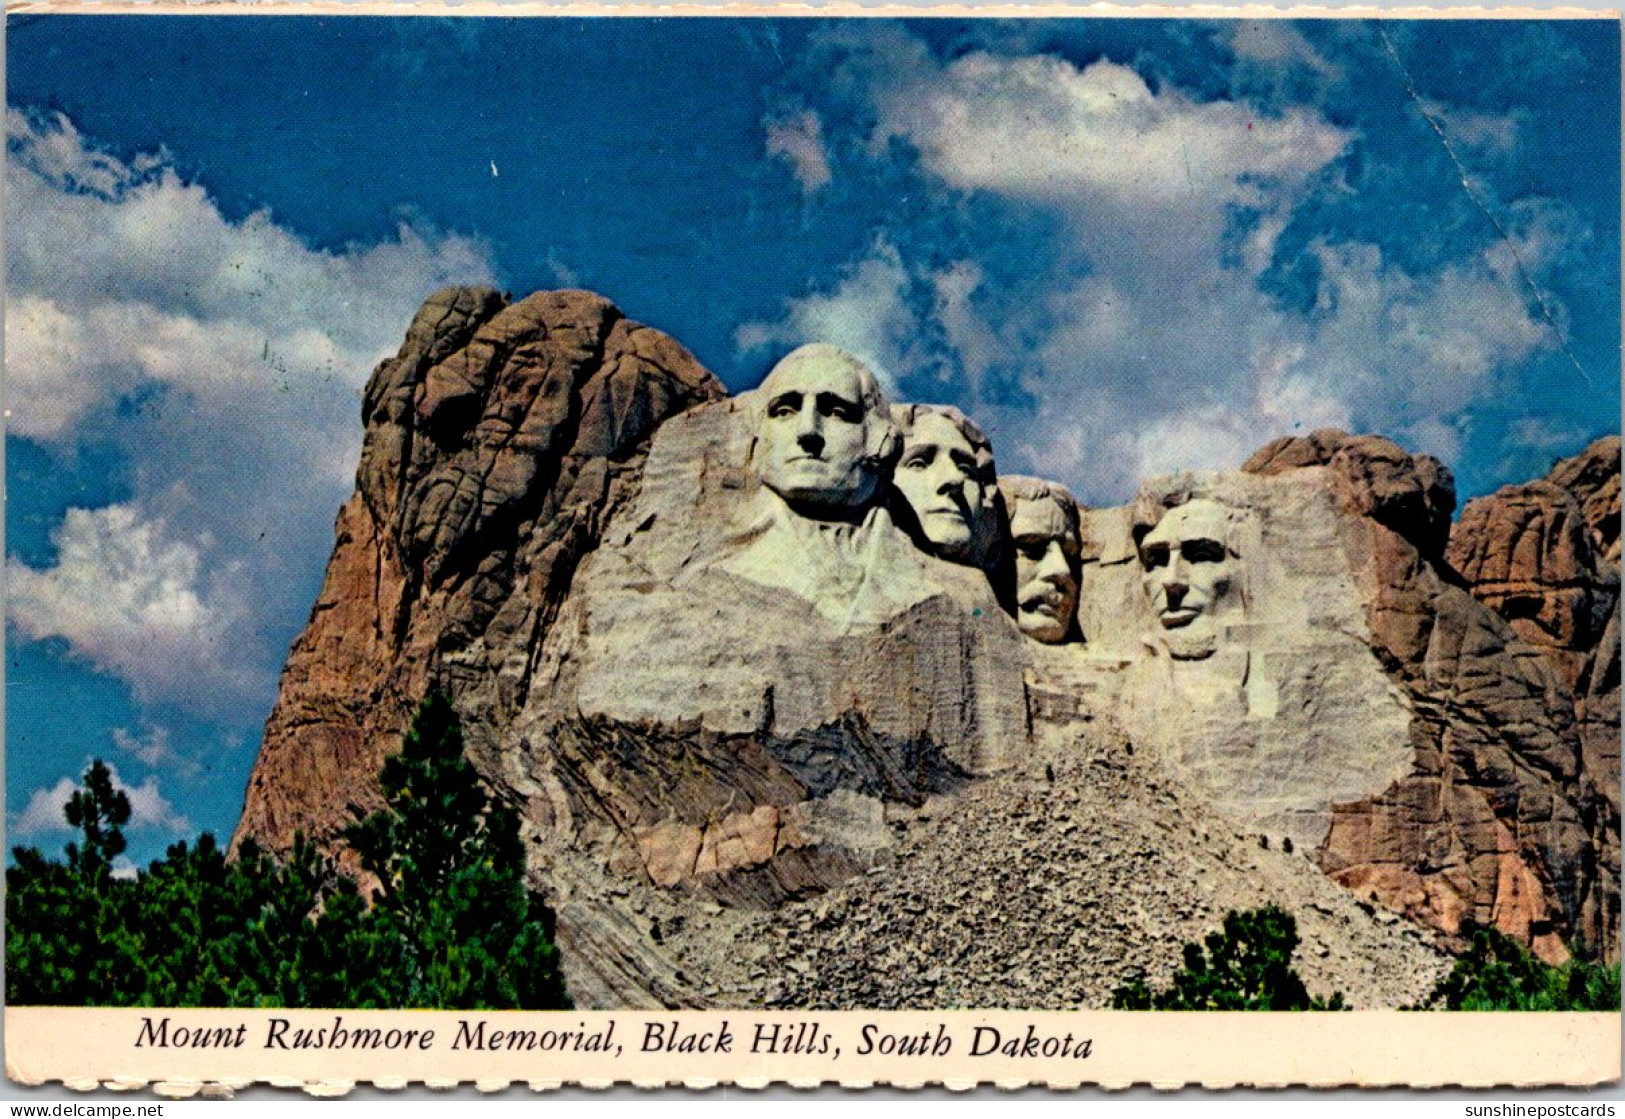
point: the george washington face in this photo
(820, 423)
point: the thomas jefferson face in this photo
(815, 431)
(1046, 568)
(1188, 570)
(939, 479)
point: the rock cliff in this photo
(764, 758)
(499, 440)
(1491, 822)
(1545, 556)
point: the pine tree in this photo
(1246, 966)
(452, 893)
(452, 924)
(1498, 973)
(68, 939)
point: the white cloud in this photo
(1102, 145)
(1274, 45)
(226, 357)
(151, 746)
(1540, 433)
(1277, 397)
(44, 810)
(967, 332)
(867, 313)
(149, 808)
(164, 289)
(128, 598)
(799, 138)
(1479, 133)
(1157, 344)
(1423, 346)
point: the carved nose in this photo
(1175, 590)
(1053, 566)
(810, 441)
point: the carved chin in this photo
(1042, 627)
(823, 488)
(1190, 642)
(948, 531)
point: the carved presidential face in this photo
(939, 477)
(1189, 569)
(1046, 546)
(816, 430)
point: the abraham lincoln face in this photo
(1189, 565)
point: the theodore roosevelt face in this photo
(1046, 546)
(1188, 570)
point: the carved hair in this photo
(1150, 508)
(906, 416)
(1018, 488)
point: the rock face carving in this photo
(1248, 668)
(822, 447)
(823, 438)
(946, 477)
(697, 651)
(1044, 537)
(1191, 564)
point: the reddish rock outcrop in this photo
(498, 442)
(1497, 821)
(1545, 556)
(1413, 496)
(1527, 552)
(1592, 476)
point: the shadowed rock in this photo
(1492, 821)
(1545, 556)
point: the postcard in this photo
(579, 547)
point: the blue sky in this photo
(1125, 247)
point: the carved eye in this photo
(787, 405)
(1032, 549)
(1154, 556)
(917, 459)
(839, 408)
(1202, 551)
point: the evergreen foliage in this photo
(1498, 973)
(452, 924)
(67, 922)
(451, 869)
(1246, 966)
